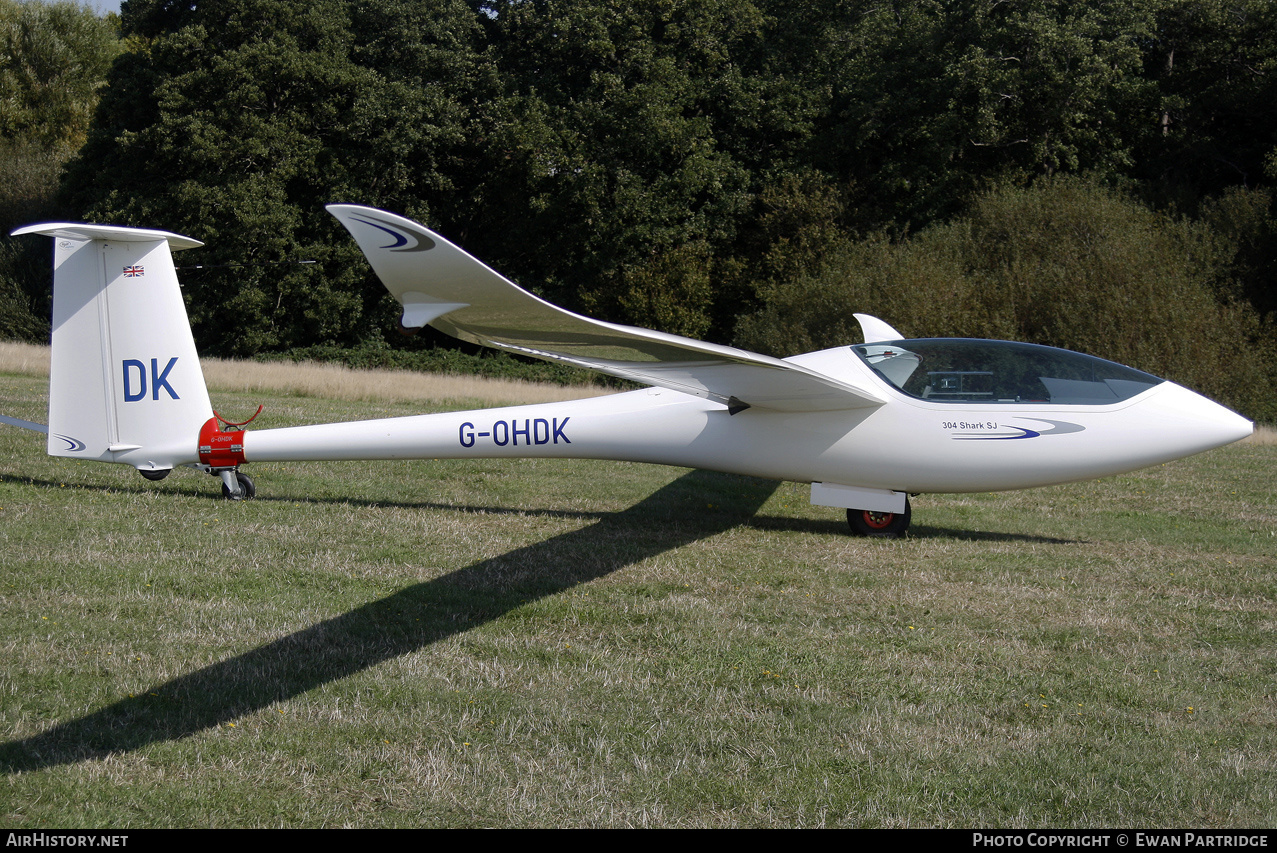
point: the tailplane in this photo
(125, 383)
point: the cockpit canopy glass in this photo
(965, 370)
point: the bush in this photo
(1065, 263)
(24, 316)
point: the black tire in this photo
(155, 475)
(247, 491)
(880, 525)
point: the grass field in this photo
(545, 643)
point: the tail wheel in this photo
(880, 525)
(247, 490)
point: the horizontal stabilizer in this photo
(115, 233)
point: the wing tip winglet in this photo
(404, 234)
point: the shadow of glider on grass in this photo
(866, 425)
(412, 619)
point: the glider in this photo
(867, 425)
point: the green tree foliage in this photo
(624, 150)
(930, 99)
(20, 317)
(604, 153)
(1214, 63)
(53, 61)
(236, 121)
(1065, 263)
(1242, 219)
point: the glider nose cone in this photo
(1201, 423)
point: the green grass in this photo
(545, 643)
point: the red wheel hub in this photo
(879, 520)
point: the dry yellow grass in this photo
(311, 379)
(24, 359)
(1265, 436)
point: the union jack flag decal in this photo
(134, 272)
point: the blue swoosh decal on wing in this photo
(422, 244)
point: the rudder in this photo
(125, 384)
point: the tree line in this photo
(747, 171)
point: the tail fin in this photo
(125, 383)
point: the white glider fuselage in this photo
(906, 445)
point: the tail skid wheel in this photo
(247, 491)
(880, 525)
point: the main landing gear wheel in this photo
(880, 525)
(247, 490)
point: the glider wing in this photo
(440, 284)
